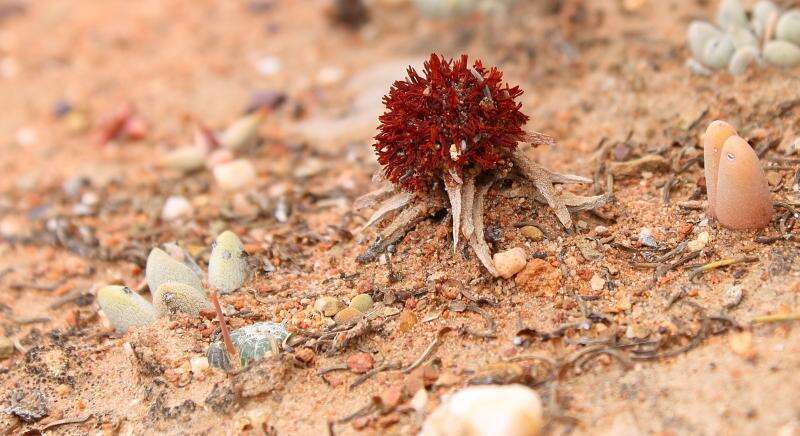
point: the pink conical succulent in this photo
(742, 199)
(716, 134)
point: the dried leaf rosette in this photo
(452, 131)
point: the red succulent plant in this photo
(451, 118)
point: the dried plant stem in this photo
(223, 326)
(393, 203)
(779, 317)
(477, 241)
(468, 201)
(454, 194)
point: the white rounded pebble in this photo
(731, 13)
(235, 175)
(742, 59)
(173, 297)
(700, 242)
(124, 308)
(718, 52)
(509, 262)
(762, 13)
(788, 28)
(198, 364)
(176, 207)
(184, 159)
(510, 410)
(732, 296)
(782, 54)
(227, 266)
(162, 268)
(698, 35)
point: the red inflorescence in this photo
(453, 118)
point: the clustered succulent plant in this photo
(768, 36)
(451, 131)
(175, 285)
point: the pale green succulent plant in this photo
(162, 268)
(125, 308)
(173, 297)
(227, 267)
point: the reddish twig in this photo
(223, 326)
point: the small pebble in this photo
(268, 65)
(198, 364)
(636, 331)
(328, 306)
(184, 159)
(597, 282)
(774, 178)
(235, 175)
(510, 410)
(532, 232)
(646, 238)
(362, 302)
(360, 363)
(510, 262)
(6, 348)
(346, 315)
(783, 54)
(406, 320)
(732, 296)
(699, 242)
(176, 207)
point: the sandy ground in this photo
(606, 78)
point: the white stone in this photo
(510, 262)
(597, 282)
(198, 364)
(176, 207)
(235, 175)
(699, 242)
(510, 410)
(184, 159)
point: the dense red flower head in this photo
(452, 118)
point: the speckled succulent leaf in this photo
(125, 308)
(161, 268)
(173, 297)
(227, 266)
(252, 343)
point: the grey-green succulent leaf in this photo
(162, 268)
(173, 297)
(227, 267)
(125, 308)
